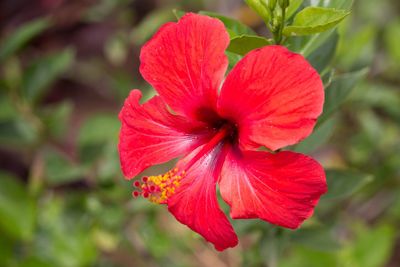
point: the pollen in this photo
(158, 188)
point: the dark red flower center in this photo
(160, 187)
(230, 130)
(218, 123)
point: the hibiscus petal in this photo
(195, 201)
(185, 63)
(281, 188)
(151, 135)
(275, 97)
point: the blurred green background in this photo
(66, 67)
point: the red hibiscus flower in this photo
(271, 98)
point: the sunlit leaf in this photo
(17, 208)
(308, 43)
(339, 4)
(66, 238)
(234, 27)
(361, 51)
(313, 20)
(392, 32)
(293, 7)
(245, 43)
(35, 262)
(372, 246)
(304, 256)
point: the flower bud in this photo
(272, 5)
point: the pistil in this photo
(220, 136)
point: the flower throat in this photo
(159, 188)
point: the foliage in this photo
(63, 200)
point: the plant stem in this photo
(278, 38)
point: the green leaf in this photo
(361, 52)
(292, 8)
(109, 166)
(391, 34)
(313, 20)
(12, 74)
(380, 95)
(233, 26)
(99, 129)
(17, 208)
(371, 126)
(56, 118)
(122, 82)
(43, 72)
(306, 44)
(66, 238)
(343, 183)
(95, 134)
(337, 92)
(178, 13)
(6, 250)
(245, 43)
(60, 170)
(7, 110)
(18, 132)
(35, 262)
(394, 209)
(323, 55)
(318, 238)
(233, 59)
(327, 77)
(303, 256)
(116, 49)
(319, 136)
(373, 246)
(260, 7)
(22, 36)
(339, 4)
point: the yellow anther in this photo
(159, 188)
